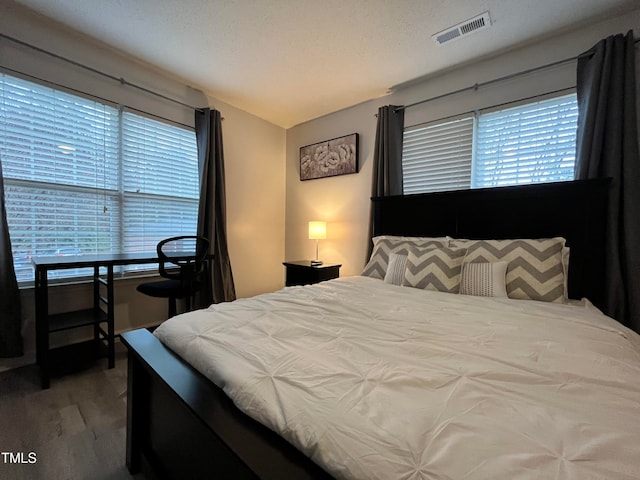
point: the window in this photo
(529, 143)
(438, 157)
(82, 177)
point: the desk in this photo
(101, 319)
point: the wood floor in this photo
(76, 428)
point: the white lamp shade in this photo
(317, 230)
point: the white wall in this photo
(344, 201)
(254, 156)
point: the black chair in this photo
(183, 262)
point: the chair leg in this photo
(172, 307)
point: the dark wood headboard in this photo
(573, 210)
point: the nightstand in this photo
(303, 273)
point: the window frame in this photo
(118, 195)
(475, 115)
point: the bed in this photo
(472, 392)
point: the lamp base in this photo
(315, 263)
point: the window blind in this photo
(527, 144)
(82, 177)
(437, 157)
(160, 182)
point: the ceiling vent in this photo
(468, 27)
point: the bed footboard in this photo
(184, 426)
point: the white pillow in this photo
(395, 270)
(486, 279)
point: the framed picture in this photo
(337, 156)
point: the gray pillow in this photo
(434, 268)
(535, 269)
(385, 245)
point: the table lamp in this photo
(317, 231)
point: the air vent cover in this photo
(468, 27)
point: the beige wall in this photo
(255, 182)
(344, 201)
(254, 156)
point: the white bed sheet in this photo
(376, 381)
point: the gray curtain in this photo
(10, 320)
(212, 222)
(607, 146)
(387, 156)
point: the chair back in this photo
(183, 258)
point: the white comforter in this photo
(374, 381)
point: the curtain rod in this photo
(91, 95)
(120, 80)
(476, 86)
(511, 102)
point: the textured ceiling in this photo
(289, 61)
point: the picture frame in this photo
(330, 158)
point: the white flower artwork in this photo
(338, 156)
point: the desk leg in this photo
(110, 318)
(96, 305)
(42, 324)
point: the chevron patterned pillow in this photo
(534, 266)
(384, 245)
(434, 269)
